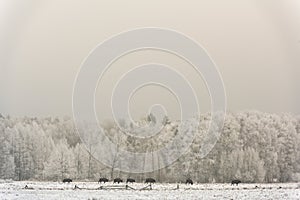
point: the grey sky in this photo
(255, 44)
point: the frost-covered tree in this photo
(253, 147)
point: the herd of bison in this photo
(148, 180)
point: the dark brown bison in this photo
(130, 180)
(150, 180)
(236, 182)
(189, 181)
(67, 180)
(118, 180)
(103, 180)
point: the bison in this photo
(118, 180)
(150, 180)
(189, 181)
(130, 180)
(67, 180)
(235, 182)
(103, 180)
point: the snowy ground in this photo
(52, 190)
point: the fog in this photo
(255, 44)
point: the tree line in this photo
(253, 147)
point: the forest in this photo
(253, 147)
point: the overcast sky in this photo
(255, 44)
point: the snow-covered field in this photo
(88, 190)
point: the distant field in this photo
(53, 190)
